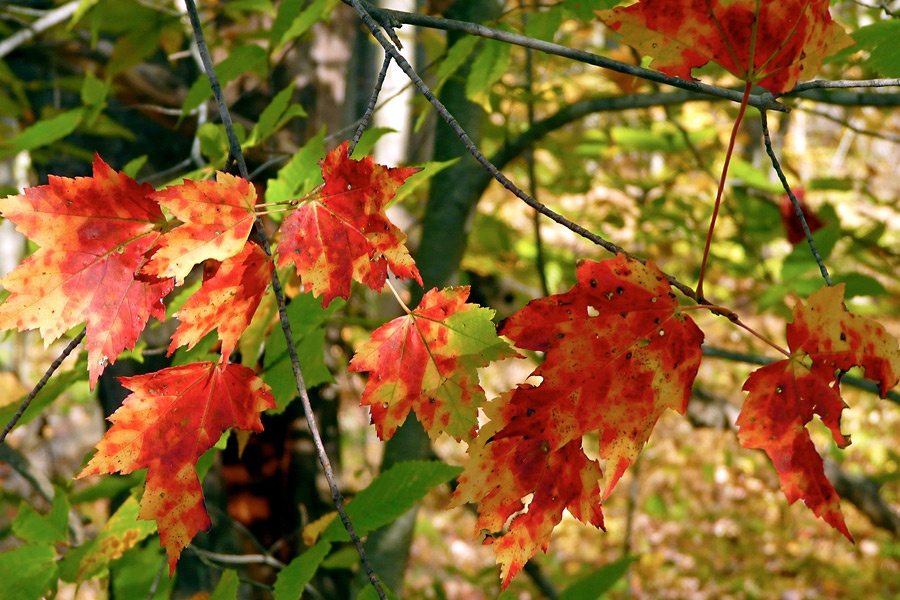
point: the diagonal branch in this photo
(391, 50)
(236, 154)
(40, 384)
(763, 101)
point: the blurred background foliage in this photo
(697, 517)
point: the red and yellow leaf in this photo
(217, 218)
(226, 301)
(427, 361)
(771, 44)
(784, 396)
(170, 419)
(500, 475)
(94, 233)
(343, 234)
(643, 353)
(837, 340)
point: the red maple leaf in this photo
(217, 218)
(792, 225)
(227, 300)
(825, 340)
(94, 233)
(644, 352)
(343, 234)
(427, 361)
(171, 418)
(771, 44)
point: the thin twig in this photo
(236, 154)
(40, 384)
(763, 101)
(240, 559)
(787, 188)
(51, 19)
(821, 84)
(370, 107)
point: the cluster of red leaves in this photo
(619, 350)
(108, 257)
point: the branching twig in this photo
(40, 384)
(51, 19)
(495, 173)
(787, 188)
(236, 154)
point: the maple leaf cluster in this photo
(107, 258)
(618, 348)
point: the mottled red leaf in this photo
(771, 44)
(171, 418)
(500, 474)
(226, 301)
(825, 340)
(94, 234)
(217, 218)
(427, 361)
(619, 351)
(343, 234)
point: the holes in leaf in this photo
(593, 312)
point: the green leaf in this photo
(544, 25)
(109, 486)
(272, 117)
(28, 572)
(416, 180)
(488, 67)
(122, 532)
(599, 582)
(859, 284)
(584, 9)
(45, 132)
(293, 578)
(880, 39)
(139, 571)
(300, 24)
(227, 588)
(393, 493)
(300, 174)
(94, 91)
(52, 528)
(307, 318)
(134, 166)
(368, 140)
(457, 56)
(801, 261)
(242, 59)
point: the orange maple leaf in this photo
(784, 396)
(94, 233)
(227, 300)
(217, 218)
(427, 361)
(343, 234)
(787, 40)
(170, 419)
(644, 352)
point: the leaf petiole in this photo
(397, 296)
